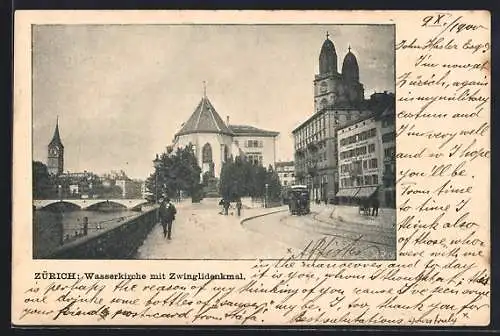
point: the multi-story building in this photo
(338, 99)
(366, 155)
(388, 130)
(286, 172)
(258, 145)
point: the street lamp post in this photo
(266, 196)
(157, 163)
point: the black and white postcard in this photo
(251, 168)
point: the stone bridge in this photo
(130, 204)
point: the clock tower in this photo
(55, 161)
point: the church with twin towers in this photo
(339, 105)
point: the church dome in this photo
(350, 68)
(327, 57)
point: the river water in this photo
(52, 229)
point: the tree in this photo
(177, 171)
(44, 186)
(274, 184)
(239, 178)
(113, 191)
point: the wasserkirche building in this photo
(338, 99)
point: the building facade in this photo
(215, 141)
(338, 99)
(257, 145)
(388, 131)
(366, 157)
(286, 173)
(55, 157)
(78, 185)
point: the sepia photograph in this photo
(213, 141)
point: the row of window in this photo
(357, 151)
(355, 167)
(254, 144)
(314, 127)
(255, 159)
(321, 135)
(359, 181)
(285, 169)
(359, 137)
(291, 175)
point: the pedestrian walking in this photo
(238, 207)
(375, 206)
(227, 204)
(221, 205)
(167, 216)
(366, 207)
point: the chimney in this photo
(227, 120)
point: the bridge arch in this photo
(61, 206)
(106, 205)
(70, 204)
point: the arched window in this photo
(207, 153)
(226, 153)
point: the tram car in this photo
(299, 202)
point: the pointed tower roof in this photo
(204, 119)
(350, 68)
(56, 138)
(327, 57)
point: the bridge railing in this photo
(119, 242)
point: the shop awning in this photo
(366, 192)
(348, 192)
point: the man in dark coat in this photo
(167, 216)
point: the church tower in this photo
(55, 161)
(334, 89)
(350, 72)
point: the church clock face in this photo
(54, 151)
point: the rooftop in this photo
(388, 111)
(204, 119)
(251, 130)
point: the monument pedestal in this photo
(212, 188)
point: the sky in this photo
(121, 92)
